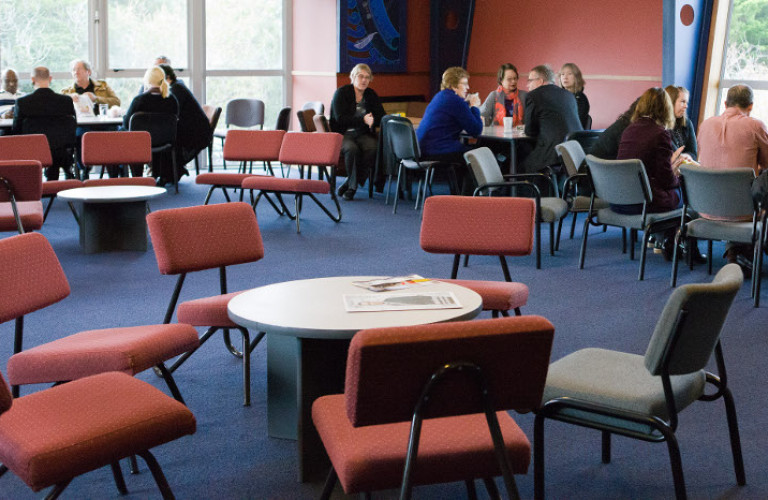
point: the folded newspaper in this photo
(401, 301)
(392, 283)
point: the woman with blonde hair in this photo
(682, 132)
(155, 99)
(571, 80)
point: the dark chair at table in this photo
(405, 149)
(316, 106)
(586, 138)
(283, 119)
(162, 129)
(213, 114)
(306, 120)
(242, 113)
(62, 139)
(442, 415)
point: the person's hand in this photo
(368, 119)
(75, 97)
(677, 160)
(91, 96)
(474, 100)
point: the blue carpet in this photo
(231, 456)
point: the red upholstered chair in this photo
(441, 415)
(302, 148)
(33, 279)
(112, 149)
(120, 181)
(35, 147)
(50, 437)
(463, 225)
(207, 237)
(243, 146)
(21, 188)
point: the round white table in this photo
(112, 217)
(308, 334)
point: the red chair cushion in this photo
(253, 145)
(373, 457)
(59, 433)
(208, 311)
(280, 184)
(130, 350)
(305, 148)
(115, 148)
(120, 181)
(52, 187)
(30, 213)
(26, 177)
(26, 147)
(219, 179)
(497, 295)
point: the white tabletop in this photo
(110, 194)
(499, 132)
(84, 121)
(314, 308)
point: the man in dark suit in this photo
(31, 112)
(550, 114)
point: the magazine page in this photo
(401, 301)
(83, 106)
(392, 283)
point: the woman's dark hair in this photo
(503, 69)
(169, 73)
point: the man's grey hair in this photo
(545, 72)
(740, 96)
(85, 64)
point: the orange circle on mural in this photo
(686, 15)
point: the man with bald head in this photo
(9, 93)
(38, 106)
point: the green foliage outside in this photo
(747, 51)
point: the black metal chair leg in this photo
(246, 367)
(471, 490)
(538, 457)
(330, 483)
(134, 464)
(606, 447)
(57, 490)
(733, 431)
(171, 383)
(157, 473)
(117, 473)
(490, 487)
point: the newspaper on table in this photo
(403, 301)
(83, 106)
(392, 283)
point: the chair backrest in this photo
(161, 126)
(508, 349)
(31, 275)
(484, 166)
(321, 123)
(284, 119)
(306, 120)
(213, 113)
(402, 140)
(619, 182)
(120, 181)
(204, 237)
(6, 398)
(687, 347)
(25, 177)
(305, 148)
(253, 145)
(718, 192)
(573, 156)
(245, 113)
(587, 138)
(60, 130)
(26, 147)
(478, 225)
(116, 148)
(316, 106)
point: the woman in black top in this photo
(572, 81)
(682, 134)
(155, 99)
(193, 133)
(356, 112)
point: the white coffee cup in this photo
(508, 120)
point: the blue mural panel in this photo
(372, 32)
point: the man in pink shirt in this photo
(731, 140)
(734, 139)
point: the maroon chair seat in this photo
(21, 189)
(244, 146)
(207, 311)
(207, 237)
(129, 350)
(438, 416)
(120, 181)
(463, 225)
(52, 188)
(52, 436)
(304, 149)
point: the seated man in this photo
(96, 90)
(9, 93)
(735, 139)
(550, 114)
(42, 103)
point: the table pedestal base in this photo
(300, 370)
(113, 226)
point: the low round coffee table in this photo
(112, 217)
(308, 334)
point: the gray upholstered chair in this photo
(573, 157)
(640, 396)
(624, 182)
(721, 193)
(243, 113)
(489, 178)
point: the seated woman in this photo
(607, 145)
(450, 113)
(506, 100)
(572, 81)
(193, 132)
(356, 111)
(683, 133)
(155, 99)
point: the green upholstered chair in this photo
(640, 396)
